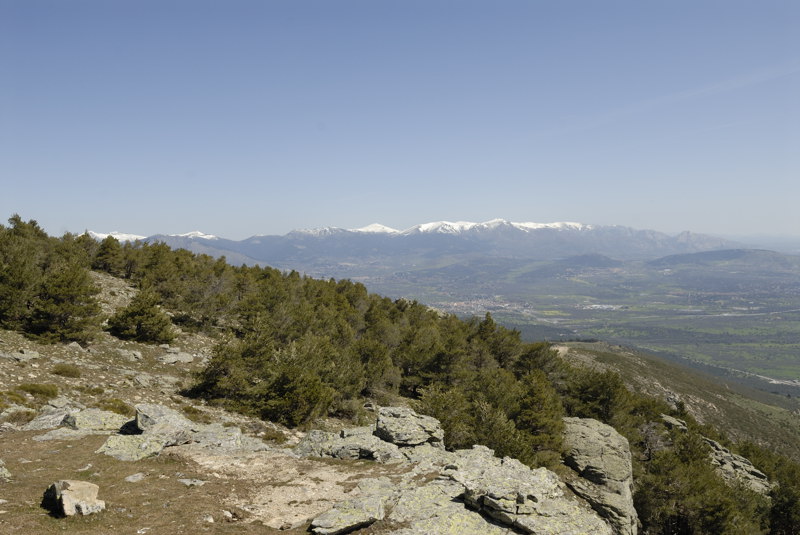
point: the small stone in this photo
(193, 482)
(209, 519)
(135, 478)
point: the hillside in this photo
(271, 346)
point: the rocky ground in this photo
(169, 464)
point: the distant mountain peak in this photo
(196, 234)
(459, 227)
(120, 236)
(376, 228)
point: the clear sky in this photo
(242, 117)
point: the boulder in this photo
(349, 515)
(132, 447)
(151, 417)
(404, 427)
(95, 420)
(172, 358)
(601, 457)
(69, 497)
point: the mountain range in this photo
(339, 252)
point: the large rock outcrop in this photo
(157, 427)
(732, 468)
(601, 457)
(467, 491)
(735, 469)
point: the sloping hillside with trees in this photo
(293, 349)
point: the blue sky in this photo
(257, 117)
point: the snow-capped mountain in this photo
(339, 252)
(120, 236)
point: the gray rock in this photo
(135, 478)
(132, 447)
(347, 444)
(23, 355)
(162, 427)
(192, 482)
(66, 433)
(151, 417)
(674, 423)
(173, 358)
(436, 509)
(602, 459)
(404, 427)
(349, 515)
(70, 497)
(48, 418)
(735, 469)
(532, 501)
(130, 354)
(5, 475)
(96, 420)
(143, 379)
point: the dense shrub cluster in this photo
(294, 349)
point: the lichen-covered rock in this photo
(150, 416)
(160, 427)
(349, 515)
(602, 459)
(95, 420)
(404, 427)
(735, 469)
(532, 501)
(436, 509)
(70, 497)
(356, 443)
(132, 447)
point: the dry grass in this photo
(158, 504)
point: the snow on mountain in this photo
(120, 236)
(459, 227)
(318, 232)
(376, 228)
(196, 234)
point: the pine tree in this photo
(64, 308)
(142, 320)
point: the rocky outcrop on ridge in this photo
(733, 468)
(466, 491)
(601, 457)
(737, 469)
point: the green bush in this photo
(66, 370)
(39, 391)
(116, 405)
